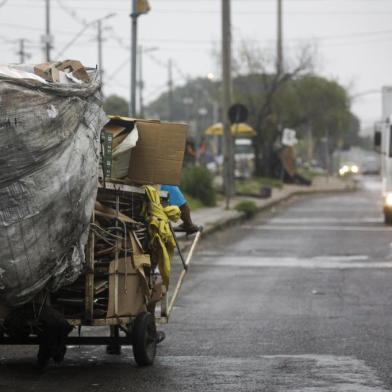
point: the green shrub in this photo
(248, 207)
(197, 181)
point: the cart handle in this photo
(183, 273)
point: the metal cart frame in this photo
(137, 330)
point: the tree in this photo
(115, 105)
(259, 87)
(317, 107)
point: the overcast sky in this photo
(353, 38)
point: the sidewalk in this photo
(215, 218)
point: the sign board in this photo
(238, 113)
(289, 137)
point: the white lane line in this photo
(315, 227)
(284, 373)
(327, 220)
(335, 262)
(374, 208)
(341, 257)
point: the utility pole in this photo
(226, 102)
(100, 61)
(48, 38)
(279, 49)
(132, 94)
(23, 55)
(139, 7)
(141, 82)
(170, 88)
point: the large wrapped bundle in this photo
(49, 158)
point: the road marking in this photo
(283, 373)
(317, 209)
(327, 220)
(319, 262)
(314, 227)
(294, 373)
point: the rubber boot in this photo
(188, 226)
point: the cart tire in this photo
(43, 356)
(144, 339)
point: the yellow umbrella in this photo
(237, 130)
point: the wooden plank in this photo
(89, 282)
(101, 322)
(128, 188)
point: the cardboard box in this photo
(54, 71)
(113, 134)
(159, 153)
(47, 71)
(76, 67)
(129, 289)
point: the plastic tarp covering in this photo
(49, 158)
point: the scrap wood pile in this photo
(124, 278)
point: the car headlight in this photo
(388, 200)
(344, 170)
(354, 169)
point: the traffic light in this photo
(142, 7)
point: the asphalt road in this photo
(296, 300)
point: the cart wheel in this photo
(144, 339)
(43, 356)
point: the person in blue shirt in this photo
(176, 198)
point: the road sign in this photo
(238, 113)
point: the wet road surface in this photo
(295, 300)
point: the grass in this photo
(194, 204)
(249, 208)
(310, 174)
(252, 186)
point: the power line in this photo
(192, 11)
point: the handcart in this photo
(120, 288)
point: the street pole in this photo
(48, 45)
(226, 101)
(100, 61)
(132, 95)
(170, 88)
(279, 49)
(22, 53)
(327, 154)
(141, 82)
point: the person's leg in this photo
(187, 225)
(177, 198)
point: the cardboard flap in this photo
(123, 266)
(142, 261)
(159, 153)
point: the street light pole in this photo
(48, 44)
(279, 49)
(100, 61)
(170, 88)
(226, 101)
(132, 95)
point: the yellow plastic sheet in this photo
(162, 241)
